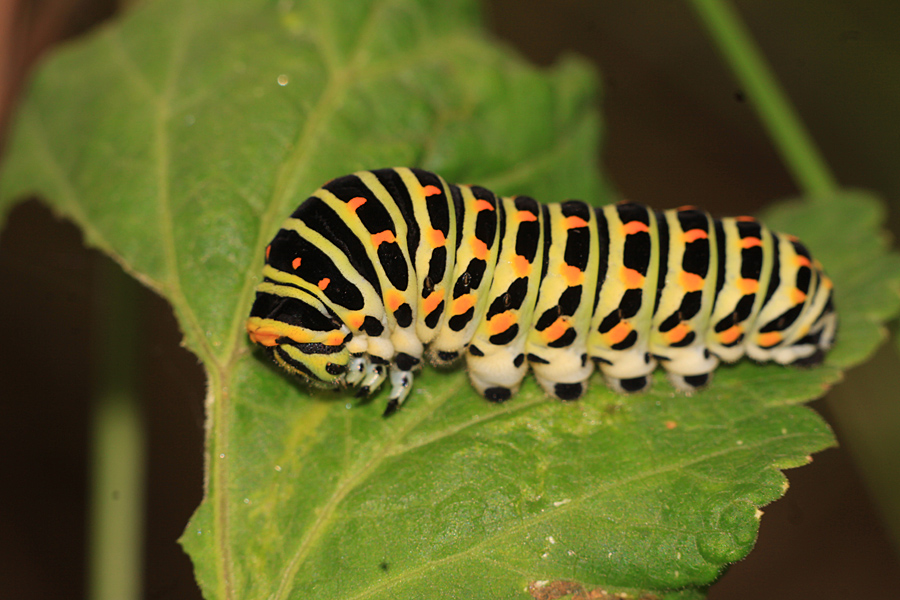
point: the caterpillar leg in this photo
(691, 368)
(356, 371)
(401, 384)
(496, 376)
(565, 374)
(561, 390)
(629, 373)
(374, 374)
(628, 385)
(492, 390)
(689, 383)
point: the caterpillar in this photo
(379, 268)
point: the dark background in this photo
(678, 131)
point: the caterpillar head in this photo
(301, 335)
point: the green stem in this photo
(793, 142)
(117, 494)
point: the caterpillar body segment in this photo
(627, 281)
(380, 268)
(557, 343)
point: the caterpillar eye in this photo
(560, 289)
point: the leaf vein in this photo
(344, 488)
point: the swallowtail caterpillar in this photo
(380, 268)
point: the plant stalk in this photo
(793, 142)
(116, 523)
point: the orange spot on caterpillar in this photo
(296, 263)
(692, 235)
(556, 330)
(632, 279)
(632, 227)
(462, 304)
(572, 275)
(355, 203)
(691, 281)
(750, 242)
(335, 338)
(521, 266)
(436, 238)
(323, 283)
(430, 190)
(747, 286)
(263, 336)
(686, 208)
(677, 334)
(526, 216)
(575, 222)
(268, 250)
(501, 322)
(432, 301)
(384, 236)
(767, 340)
(481, 205)
(745, 219)
(801, 261)
(354, 320)
(797, 296)
(730, 335)
(268, 334)
(479, 248)
(826, 281)
(618, 333)
(393, 299)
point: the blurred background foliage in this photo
(678, 131)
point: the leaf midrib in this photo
(325, 512)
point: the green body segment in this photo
(380, 268)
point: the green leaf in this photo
(179, 137)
